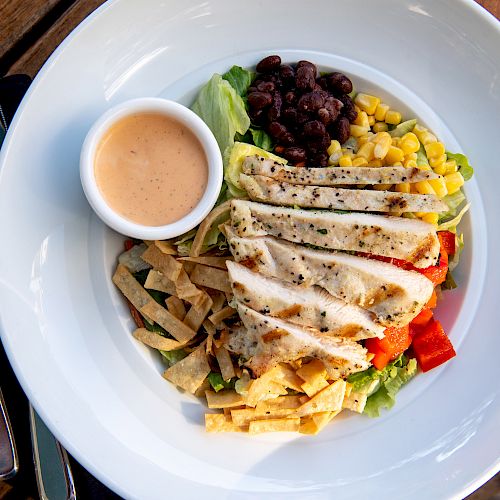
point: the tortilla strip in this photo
(166, 247)
(225, 363)
(210, 261)
(331, 176)
(267, 190)
(223, 399)
(156, 281)
(160, 315)
(130, 287)
(274, 425)
(328, 399)
(190, 373)
(217, 422)
(218, 301)
(211, 277)
(196, 316)
(176, 307)
(205, 226)
(221, 315)
(155, 340)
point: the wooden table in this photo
(29, 32)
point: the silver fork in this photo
(9, 464)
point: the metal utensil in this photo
(9, 463)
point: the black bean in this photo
(314, 128)
(308, 64)
(341, 129)
(305, 78)
(295, 154)
(338, 82)
(259, 100)
(312, 101)
(290, 116)
(302, 118)
(287, 139)
(322, 82)
(324, 116)
(275, 110)
(276, 130)
(269, 64)
(256, 116)
(287, 75)
(333, 106)
(290, 97)
(348, 109)
(266, 87)
(320, 160)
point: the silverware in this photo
(52, 468)
(9, 464)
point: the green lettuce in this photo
(262, 139)
(172, 357)
(240, 79)
(463, 164)
(218, 383)
(403, 128)
(453, 201)
(451, 225)
(422, 157)
(221, 107)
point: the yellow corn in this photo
(440, 169)
(393, 117)
(451, 166)
(333, 147)
(394, 155)
(409, 143)
(453, 182)
(334, 158)
(411, 156)
(371, 120)
(395, 141)
(427, 138)
(382, 187)
(381, 111)
(439, 186)
(397, 164)
(404, 187)
(362, 119)
(418, 130)
(424, 167)
(437, 161)
(358, 131)
(380, 127)
(435, 149)
(367, 150)
(376, 163)
(431, 218)
(410, 164)
(360, 162)
(384, 143)
(345, 161)
(367, 102)
(423, 187)
(347, 152)
(413, 189)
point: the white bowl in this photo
(181, 114)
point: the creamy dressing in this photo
(151, 169)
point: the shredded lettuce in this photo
(221, 107)
(453, 201)
(218, 383)
(262, 139)
(463, 164)
(403, 128)
(422, 157)
(239, 78)
(451, 225)
(172, 357)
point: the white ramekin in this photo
(184, 116)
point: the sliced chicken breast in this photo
(267, 190)
(331, 176)
(394, 295)
(311, 307)
(265, 341)
(411, 240)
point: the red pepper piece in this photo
(128, 244)
(423, 318)
(447, 240)
(395, 342)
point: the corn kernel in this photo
(333, 147)
(413, 189)
(381, 111)
(440, 169)
(410, 164)
(435, 149)
(420, 214)
(394, 155)
(334, 158)
(358, 131)
(382, 187)
(453, 182)
(347, 152)
(427, 138)
(439, 186)
(381, 136)
(345, 161)
(395, 141)
(404, 187)
(383, 145)
(376, 163)
(451, 166)
(360, 162)
(409, 143)
(418, 130)
(371, 120)
(424, 167)
(437, 161)
(393, 117)
(367, 150)
(367, 102)
(362, 119)
(423, 187)
(431, 218)
(397, 164)
(380, 127)
(411, 156)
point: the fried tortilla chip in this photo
(211, 277)
(210, 261)
(274, 425)
(189, 373)
(224, 313)
(225, 363)
(130, 287)
(156, 281)
(216, 422)
(196, 315)
(155, 340)
(176, 307)
(329, 399)
(223, 399)
(166, 247)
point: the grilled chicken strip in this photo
(266, 341)
(394, 295)
(267, 190)
(411, 240)
(331, 176)
(311, 307)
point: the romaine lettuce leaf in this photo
(172, 357)
(262, 139)
(239, 78)
(463, 164)
(453, 201)
(451, 225)
(220, 106)
(422, 157)
(218, 383)
(403, 128)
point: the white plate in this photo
(66, 330)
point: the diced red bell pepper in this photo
(128, 244)
(437, 274)
(423, 317)
(447, 240)
(432, 301)
(395, 342)
(431, 346)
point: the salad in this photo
(311, 286)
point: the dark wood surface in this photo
(30, 30)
